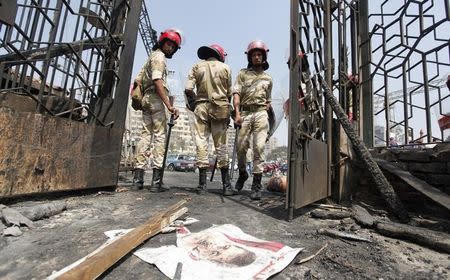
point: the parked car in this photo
(180, 163)
(270, 168)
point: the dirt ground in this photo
(64, 238)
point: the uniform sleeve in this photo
(269, 91)
(158, 66)
(237, 88)
(140, 75)
(229, 85)
(191, 81)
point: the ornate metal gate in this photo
(64, 80)
(309, 122)
(388, 68)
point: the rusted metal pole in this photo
(366, 101)
(293, 109)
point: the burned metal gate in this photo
(387, 62)
(308, 175)
(65, 75)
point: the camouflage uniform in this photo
(255, 91)
(212, 79)
(154, 112)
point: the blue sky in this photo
(232, 24)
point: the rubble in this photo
(362, 216)
(42, 211)
(63, 239)
(13, 217)
(12, 231)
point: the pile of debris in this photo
(14, 219)
(379, 222)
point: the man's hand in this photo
(174, 111)
(237, 120)
(268, 106)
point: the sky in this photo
(233, 24)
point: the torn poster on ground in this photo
(220, 252)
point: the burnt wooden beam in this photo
(382, 184)
(331, 215)
(435, 240)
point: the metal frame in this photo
(40, 56)
(374, 62)
(309, 124)
(148, 34)
(410, 60)
(86, 68)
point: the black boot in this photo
(256, 187)
(156, 185)
(243, 176)
(201, 189)
(227, 189)
(138, 180)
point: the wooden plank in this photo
(429, 191)
(94, 264)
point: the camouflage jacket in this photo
(253, 88)
(212, 79)
(153, 69)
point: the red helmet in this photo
(172, 35)
(257, 45)
(214, 50)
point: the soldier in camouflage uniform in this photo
(251, 99)
(155, 109)
(212, 79)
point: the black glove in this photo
(190, 102)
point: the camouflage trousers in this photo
(204, 127)
(254, 124)
(153, 134)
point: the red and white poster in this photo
(219, 252)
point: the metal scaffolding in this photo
(148, 34)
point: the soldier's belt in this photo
(252, 108)
(202, 101)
